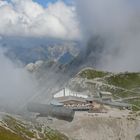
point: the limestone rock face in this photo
(31, 67)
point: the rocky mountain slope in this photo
(15, 128)
(124, 86)
(115, 125)
(112, 126)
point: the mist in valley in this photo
(16, 85)
(112, 31)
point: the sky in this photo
(45, 2)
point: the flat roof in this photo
(69, 98)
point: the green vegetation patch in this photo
(125, 80)
(55, 135)
(18, 126)
(135, 104)
(22, 131)
(91, 74)
(126, 94)
(137, 137)
(8, 135)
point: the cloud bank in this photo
(16, 85)
(116, 22)
(28, 18)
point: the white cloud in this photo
(28, 18)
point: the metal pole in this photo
(64, 92)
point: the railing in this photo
(79, 107)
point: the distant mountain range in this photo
(30, 50)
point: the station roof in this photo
(71, 98)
